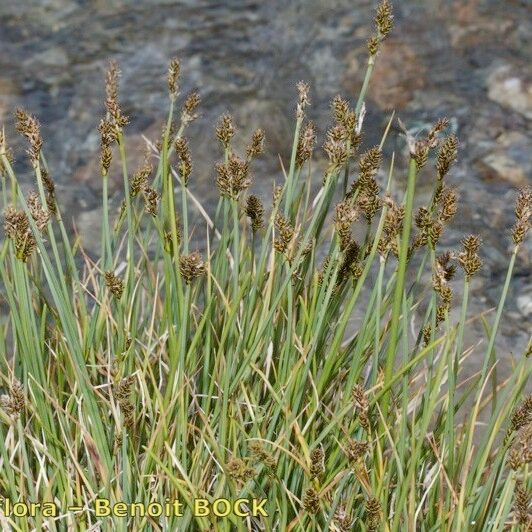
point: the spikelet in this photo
(373, 514)
(446, 156)
(239, 470)
(151, 200)
(384, 18)
(38, 213)
(225, 130)
(361, 404)
(114, 284)
(522, 508)
(306, 143)
(311, 501)
(191, 266)
(233, 177)
(256, 146)
(262, 455)
(522, 415)
(317, 463)
(139, 182)
(255, 212)
(184, 159)
(523, 215)
(285, 234)
(18, 229)
(122, 394)
(468, 258)
(303, 101)
(356, 450)
(174, 72)
(28, 126)
(117, 119)
(383, 26)
(14, 402)
(345, 215)
(188, 113)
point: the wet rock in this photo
(508, 160)
(8, 92)
(507, 87)
(398, 74)
(524, 304)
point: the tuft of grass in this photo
(160, 372)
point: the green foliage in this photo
(160, 372)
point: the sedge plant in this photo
(175, 367)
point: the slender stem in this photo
(401, 271)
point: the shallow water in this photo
(466, 59)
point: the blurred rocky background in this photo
(468, 60)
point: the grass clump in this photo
(161, 372)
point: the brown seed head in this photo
(255, 212)
(373, 514)
(233, 177)
(122, 394)
(28, 126)
(384, 18)
(225, 130)
(49, 187)
(350, 265)
(192, 101)
(317, 463)
(368, 200)
(151, 200)
(14, 402)
(256, 146)
(522, 415)
(446, 155)
(523, 214)
(373, 45)
(369, 165)
(38, 213)
(174, 71)
(112, 104)
(393, 223)
(191, 266)
(261, 454)
(306, 142)
(445, 266)
(311, 501)
(522, 508)
(426, 333)
(344, 114)
(336, 151)
(421, 153)
(285, 234)
(448, 204)
(432, 137)
(422, 218)
(185, 160)
(361, 404)
(346, 214)
(356, 450)
(114, 284)
(140, 179)
(108, 135)
(468, 258)
(303, 101)
(18, 230)
(239, 470)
